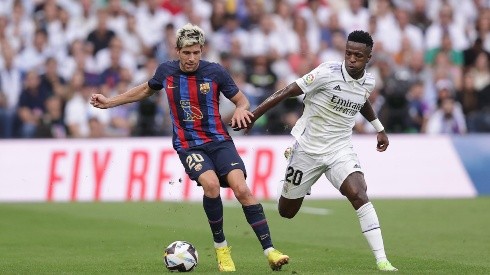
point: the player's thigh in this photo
(343, 164)
(302, 172)
(226, 159)
(197, 162)
(354, 187)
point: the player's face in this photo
(189, 58)
(357, 55)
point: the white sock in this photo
(221, 244)
(266, 251)
(371, 230)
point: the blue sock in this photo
(214, 211)
(256, 218)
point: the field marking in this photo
(273, 206)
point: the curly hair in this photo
(361, 37)
(189, 35)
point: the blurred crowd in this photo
(430, 60)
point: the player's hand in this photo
(383, 141)
(99, 101)
(242, 119)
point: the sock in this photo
(266, 252)
(221, 244)
(214, 211)
(371, 230)
(256, 218)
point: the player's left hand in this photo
(241, 119)
(383, 142)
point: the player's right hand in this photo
(99, 101)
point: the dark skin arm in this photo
(289, 91)
(368, 113)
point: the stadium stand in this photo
(430, 60)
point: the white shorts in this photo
(304, 170)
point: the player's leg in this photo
(254, 213)
(346, 175)
(302, 172)
(288, 208)
(200, 168)
(354, 188)
(233, 172)
(213, 206)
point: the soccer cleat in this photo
(386, 266)
(225, 262)
(277, 259)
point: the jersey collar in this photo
(348, 78)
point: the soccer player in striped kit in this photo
(200, 137)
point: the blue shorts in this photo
(221, 157)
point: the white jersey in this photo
(332, 99)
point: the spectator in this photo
(418, 108)
(51, 124)
(33, 57)
(81, 118)
(446, 24)
(447, 119)
(480, 72)
(446, 47)
(419, 15)
(31, 105)
(468, 97)
(51, 82)
(470, 54)
(102, 35)
(355, 17)
(10, 90)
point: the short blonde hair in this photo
(189, 35)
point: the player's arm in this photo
(368, 113)
(132, 95)
(242, 117)
(289, 91)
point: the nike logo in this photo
(171, 87)
(234, 163)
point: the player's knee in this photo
(211, 189)
(287, 213)
(358, 194)
(243, 194)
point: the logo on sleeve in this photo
(308, 79)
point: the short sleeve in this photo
(312, 80)
(156, 82)
(226, 85)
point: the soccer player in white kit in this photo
(334, 93)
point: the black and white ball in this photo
(180, 256)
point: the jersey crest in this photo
(204, 88)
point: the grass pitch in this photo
(421, 237)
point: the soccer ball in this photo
(180, 256)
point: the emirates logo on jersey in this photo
(204, 88)
(191, 112)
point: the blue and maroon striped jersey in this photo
(193, 99)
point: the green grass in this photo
(421, 237)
